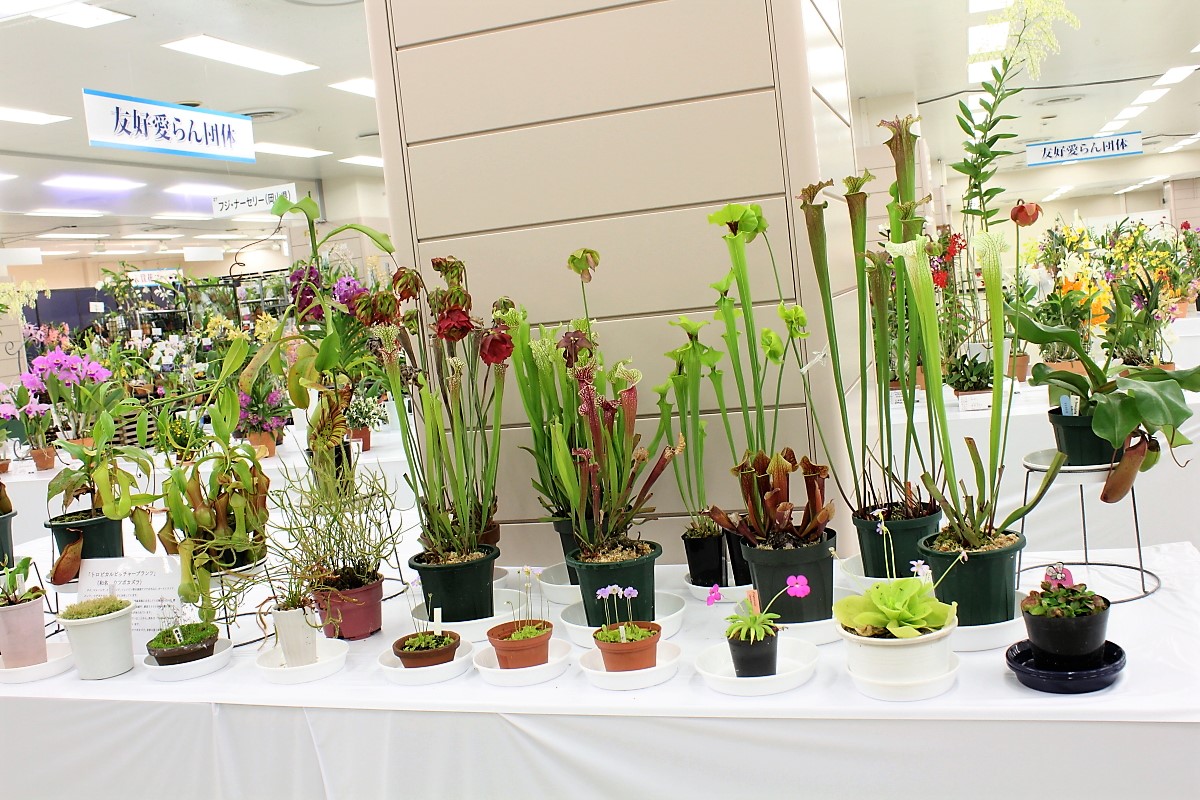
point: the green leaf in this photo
(104, 430)
(1116, 417)
(327, 355)
(1159, 403)
(381, 240)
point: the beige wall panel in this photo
(835, 153)
(646, 261)
(419, 21)
(699, 152)
(831, 11)
(638, 56)
(826, 62)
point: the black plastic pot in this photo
(904, 533)
(984, 586)
(705, 559)
(343, 461)
(1074, 437)
(7, 558)
(463, 591)
(737, 561)
(101, 536)
(637, 572)
(770, 569)
(754, 659)
(1067, 643)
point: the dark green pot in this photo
(7, 558)
(984, 586)
(101, 536)
(904, 534)
(770, 569)
(566, 538)
(1074, 437)
(464, 591)
(638, 573)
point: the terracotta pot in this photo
(352, 614)
(627, 656)
(1168, 366)
(491, 535)
(921, 378)
(1075, 366)
(1018, 367)
(86, 441)
(363, 435)
(43, 458)
(4, 465)
(23, 634)
(425, 658)
(522, 652)
(1180, 311)
(263, 439)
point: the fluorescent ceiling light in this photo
(1130, 113)
(1149, 96)
(1190, 141)
(226, 236)
(92, 182)
(199, 189)
(1174, 75)
(1113, 126)
(5, 177)
(239, 55)
(1126, 189)
(288, 150)
(363, 86)
(73, 236)
(363, 161)
(107, 252)
(1172, 148)
(59, 252)
(81, 15)
(63, 212)
(989, 38)
(1196, 49)
(29, 117)
(256, 218)
(19, 8)
(980, 6)
(151, 236)
(1154, 179)
(182, 216)
(981, 71)
(178, 252)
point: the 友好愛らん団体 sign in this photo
(1040, 154)
(152, 126)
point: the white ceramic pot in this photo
(103, 646)
(297, 637)
(23, 634)
(899, 660)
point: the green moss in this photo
(98, 607)
(527, 632)
(633, 633)
(193, 633)
(426, 641)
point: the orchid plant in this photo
(79, 388)
(21, 403)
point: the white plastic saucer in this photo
(475, 630)
(729, 594)
(796, 665)
(592, 664)
(396, 672)
(58, 660)
(501, 578)
(331, 657)
(557, 586)
(668, 613)
(821, 631)
(489, 669)
(908, 691)
(973, 638)
(222, 654)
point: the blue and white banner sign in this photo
(1087, 149)
(152, 126)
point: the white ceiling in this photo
(915, 46)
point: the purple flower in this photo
(8, 411)
(630, 593)
(346, 289)
(162, 392)
(714, 594)
(32, 382)
(602, 594)
(797, 586)
(34, 409)
(275, 397)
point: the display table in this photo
(356, 735)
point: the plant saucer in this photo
(973, 638)
(668, 613)
(396, 672)
(557, 587)
(58, 660)
(1066, 681)
(903, 691)
(592, 664)
(475, 630)
(821, 631)
(221, 656)
(502, 578)
(489, 669)
(796, 665)
(729, 594)
(331, 657)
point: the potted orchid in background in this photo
(363, 415)
(21, 403)
(79, 389)
(264, 411)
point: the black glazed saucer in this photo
(1020, 661)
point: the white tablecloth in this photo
(355, 735)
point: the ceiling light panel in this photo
(19, 8)
(199, 190)
(1149, 96)
(1174, 75)
(288, 150)
(363, 86)
(257, 218)
(226, 236)
(59, 252)
(109, 252)
(363, 161)
(5, 177)
(989, 38)
(1130, 113)
(63, 212)
(92, 183)
(171, 216)
(153, 236)
(29, 117)
(1114, 126)
(73, 236)
(81, 15)
(239, 55)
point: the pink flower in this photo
(8, 411)
(714, 594)
(797, 586)
(34, 409)
(32, 382)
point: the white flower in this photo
(921, 569)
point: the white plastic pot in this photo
(296, 636)
(103, 646)
(924, 658)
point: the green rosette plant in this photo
(901, 608)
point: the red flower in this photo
(1025, 214)
(496, 346)
(954, 246)
(406, 283)
(940, 278)
(573, 344)
(454, 324)
(1185, 226)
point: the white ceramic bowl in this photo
(58, 660)
(973, 638)
(902, 691)
(396, 672)
(501, 578)
(489, 669)
(475, 630)
(222, 655)
(729, 594)
(331, 657)
(668, 613)
(557, 586)
(592, 664)
(796, 665)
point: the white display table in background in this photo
(356, 735)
